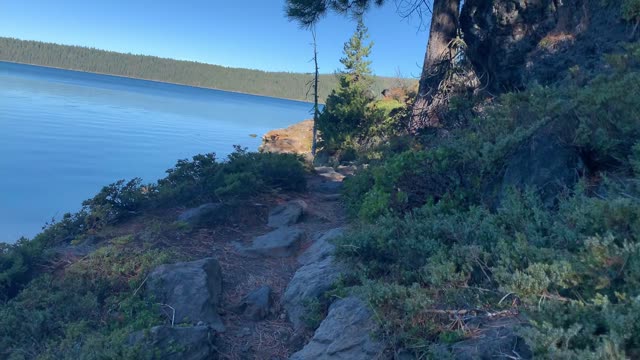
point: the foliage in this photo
(87, 311)
(276, 84)
(308, 12)
(347, 107)
(433, 240)
(557, 264)
(631, 10)
(244, 174)
(118, 201)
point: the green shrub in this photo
(117, 202)
(242, 175)
(446, 256)
(85, 312)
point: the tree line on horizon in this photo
(275, 84)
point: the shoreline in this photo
(158, 81)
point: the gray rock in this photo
(494, 340)
(176, 343)
(329, 173)
(286, 214)
(193, 289)
(282, 242)
(344, 334)
(544, 163)
(308, 283)
(321, 247)
(200, 214)
(257, 304)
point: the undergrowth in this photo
(439, 234)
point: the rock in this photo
(329, 173)
(344, 334)
(544, 163)
(193, 289)
(495, 340)
(257, 304)
(308, 283)
(176, 343)
(282, 242)
(287, 214)
(295, 139)
(200, 214)
(321, 247)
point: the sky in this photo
(251, 34)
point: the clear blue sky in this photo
(243, 33)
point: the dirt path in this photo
(273, 337)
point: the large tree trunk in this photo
(444, 28)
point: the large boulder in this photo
(286, 214)
(346, 334)
(176, 343)
(321, 247)
(282, 242)
(308, 283)
(544, 163)
(192, 289)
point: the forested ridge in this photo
(276, 84)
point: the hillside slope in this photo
(276, 84)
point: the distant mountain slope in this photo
(275, 84)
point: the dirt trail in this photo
(273, 337)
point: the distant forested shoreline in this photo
(275, 84)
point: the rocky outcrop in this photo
(282, 242)
(296, 139)
(346, 334)
(307, 284)
(317, 275)
(321, 248)
(286, 214)
(257, 304)
(176, 343)
(192, 289)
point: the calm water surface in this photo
(65, 134)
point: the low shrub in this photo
(556, 263)
(86, 312)
(431, 242)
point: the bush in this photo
(432, 240)
(86, 312)
(557, 263)
(243, 175)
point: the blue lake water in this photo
(65, 134)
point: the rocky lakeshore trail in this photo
(246, 297)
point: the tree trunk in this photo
(444, 28)
(316, 111)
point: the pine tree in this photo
(346, 107)
(357, 71)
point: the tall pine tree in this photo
(346, 106)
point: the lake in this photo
(65, 134)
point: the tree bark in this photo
(316, 111)
(444, 28)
